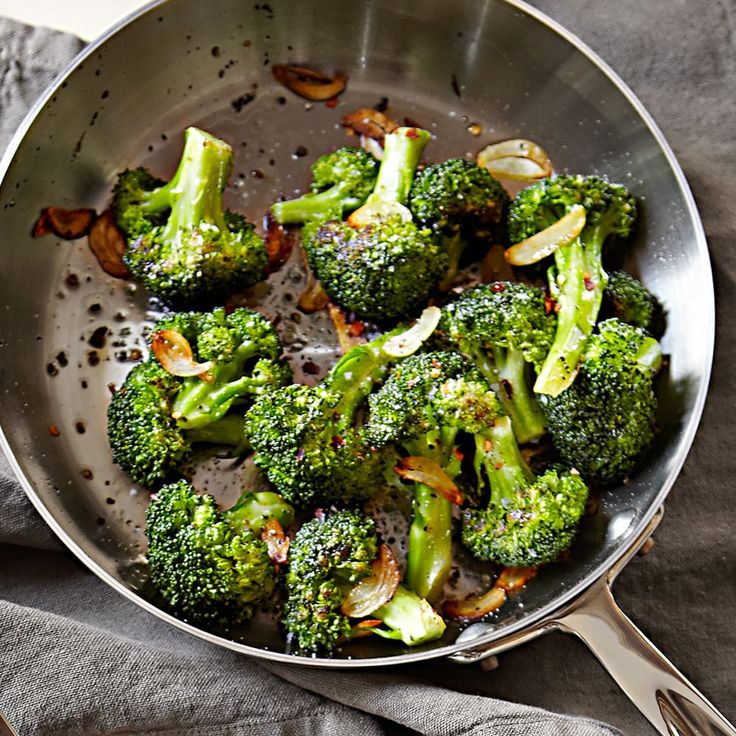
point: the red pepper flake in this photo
(412, 133)
(337, 442)
(54, 431)
(589, 283)
(332, 102)
(498, 287)
(458, 454)
(488, 445)
(550, 305)
(498, 466)
(357, 328)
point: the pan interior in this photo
(452, 68)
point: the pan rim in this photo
(533, 619)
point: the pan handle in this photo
(650, 680)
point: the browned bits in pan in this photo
(66, 224)
(107, 242)
(370, 122)
(309, 83)
(279, 244)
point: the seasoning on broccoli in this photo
(425, 406)
(462, 203)
(156, 417)
(341, 182)
(328, 557)
(503, 328)
(577, 280)
(627, 299)
(606, 420)
(380, 264)
(181, 242)
(529, 520)
(308, 440)
(209, 565)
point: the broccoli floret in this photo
(327, 558)
(307, 439)
(145, 439)
(529, 520)
(627, 299)
(577, 279)
(155, 418)
(461, 202)
(245, 351)
(255, 509)
(606, 420)
(341, 182)
(208, 565)
(502, 327)
(380, 264)
(424, 405)
(181, 242)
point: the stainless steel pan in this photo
(126, 100)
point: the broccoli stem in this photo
(409, 618)
(194, 194)
(498, 454)
(357, 372)
(578, 287)
(402, 150)
(454, 246)
(311, 206)
(199, 403)
(516, 396)
(255, 509)
(429, 560)
(225, 431)
(507, 373)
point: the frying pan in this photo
(126, 99)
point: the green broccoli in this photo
(209, 566)
(181, 242)
(629, 300)
(425, 405)
(380, 264)
(327, 559)
(156, 417)
(577, 279)
(461, 202)
(341, 182)
(502, 327)
(529, 520)
(255, 509)
(606, 420)
(307, 440)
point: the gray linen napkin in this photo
(77, 658)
